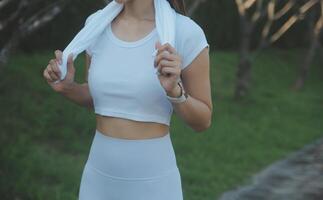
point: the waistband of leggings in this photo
(132, 158)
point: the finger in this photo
(56, 69)
(59, 55)
(51, 71)
(47, 77)
(52, 75)
(168, 71)
(168, 48)
(165, 55)
(52, 61)
(159, 56)
(70, 67)
(70, 59)
(166, 63)
(157, 45)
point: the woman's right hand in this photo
(52, 72)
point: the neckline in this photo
(123, 43)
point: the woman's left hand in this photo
(168, 63)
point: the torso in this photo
(139, 84)
(129, 129)
(125, 128)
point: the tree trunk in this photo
(306, 64)
(315, 31)
(244, 66)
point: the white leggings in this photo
(126, 169)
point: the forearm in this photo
(79, 94)
(195, 113)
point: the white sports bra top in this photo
(122, 79)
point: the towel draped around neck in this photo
(165, 17)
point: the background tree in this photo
(315, 31)
(20, 18)
(251, 13)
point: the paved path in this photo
(298, 177)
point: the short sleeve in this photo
(190, 40)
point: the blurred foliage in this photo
(219, 19)
(63, 28)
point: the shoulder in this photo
(190, 38)
(187, 28)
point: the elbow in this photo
(89, 104)
(203, 126)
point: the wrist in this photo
(68, 87)
(176, 92)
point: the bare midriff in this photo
(129, 129)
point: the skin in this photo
(133, 23)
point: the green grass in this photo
(45, 139)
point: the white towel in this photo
(165, 17)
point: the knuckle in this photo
(163, 47)
(52, 75)
(52, 63)
(165, 54)
(55, 69)
(47, 76)
(163, 62)
(58, 71)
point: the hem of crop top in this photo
(135, 117)
(123, 43)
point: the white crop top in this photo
(122, 79)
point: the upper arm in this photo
(193, 48)
(196, 78)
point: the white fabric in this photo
(121, 76)
(165, 23)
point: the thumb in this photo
(157, 45)
(70, 66)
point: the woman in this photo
(131, 156)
